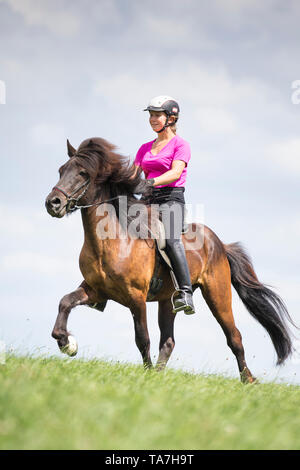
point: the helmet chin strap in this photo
(167, 124)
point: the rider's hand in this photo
(145, 187)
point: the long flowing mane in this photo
(113, 173)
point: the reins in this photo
(75, 206)
(94, 204)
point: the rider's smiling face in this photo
(157, 120)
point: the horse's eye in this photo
(83, 173)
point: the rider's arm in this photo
(171, 175)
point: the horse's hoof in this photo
(71, 347)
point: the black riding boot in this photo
(184, 299)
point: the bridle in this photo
(73, 200)
(70, 199)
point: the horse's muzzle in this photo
(55, 206)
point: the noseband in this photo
(70, 198)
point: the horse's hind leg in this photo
(166, 324)
(216, 289)
(67, 343)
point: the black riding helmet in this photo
(167, 105)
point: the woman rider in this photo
(164, 161)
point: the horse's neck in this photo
(89, 226)
(102, 229)
(103, 232)
(117, 244)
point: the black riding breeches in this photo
(171, 207)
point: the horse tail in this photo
(260, 301)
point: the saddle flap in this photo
(161, 235)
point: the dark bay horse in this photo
(121, 268)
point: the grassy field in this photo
(51, 403)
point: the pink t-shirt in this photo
(155, 165)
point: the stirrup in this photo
(188, 309)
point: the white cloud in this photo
(34, 241)
(47, 134)
(46, 13)
(232, 6)
(65, 18)
(14, 221)
(171, 31)
(22, 221)
(166, 27)
(37, 262)
(215, 120)
(209, 97)
(236, 14)
(199, 84)
(286, 155)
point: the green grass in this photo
(50, 403)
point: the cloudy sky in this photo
(87, 68)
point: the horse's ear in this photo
(71, 150)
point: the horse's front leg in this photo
(142, 340)
(67, 342)
(166, 324)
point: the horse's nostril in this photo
(53, 203)
(56, 201)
